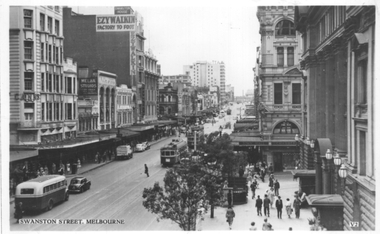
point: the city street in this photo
(116, 193)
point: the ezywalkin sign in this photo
(115, 23)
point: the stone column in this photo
(320, 98)
(285, 56)
(312, 99)
(330, 96)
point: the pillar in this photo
(318, 173)
(326, 177)
(330, 96)
(320, 99)
(312, 101)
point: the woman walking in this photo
(288, 207)
(230, 215)
(146, 170)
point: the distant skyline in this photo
(181, 36)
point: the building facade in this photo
(43, 94)
(338, 61)
(124, 113)
(175, 79)
(168, 102)
(151, 80)
(205, 74)
(282, 86)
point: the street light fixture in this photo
(307, 141)
(296, 138)
(343, 172)
(328, 154)
(312, 144)
(337, 159)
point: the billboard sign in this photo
(115, 23)
(123, 10)
(87, 86)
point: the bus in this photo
(42, 193)
(173, 152)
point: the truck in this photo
(173, 152)
(124, 151)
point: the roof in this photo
(325, 200)
(44, 178)
(140, 128)
(303, 173)
(245, 139)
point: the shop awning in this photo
(325, 200)
(19, 154)
(303, 173)
(128, 133)
(140, 128)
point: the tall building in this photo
(338, 60)
(175, 79)
(205, 74)
(43, 94)
(120, 52)
(282, 85)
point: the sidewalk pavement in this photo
(246, 213)
(87, 167)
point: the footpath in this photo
(87, 167)
(246, 213)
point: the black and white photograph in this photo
(188, 116)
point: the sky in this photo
(183, 35)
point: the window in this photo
(50, 83)
(69, 111)
(296, 93)
(286, 128)
(42, 51)
(28, 116)
(285, 28)
(49, 53)
(56, 110)
(28, 49)
(28, 18)
(277, 93)
(42, 81)
(56, 83)
(362, 153)
(322, 29)
(290, 57)
(61, 52)
(43, 111)
(362, 82)
(56, 27)
(28, 105)
(28, 80)
(42, 22)
(68, 85)
(280, 56)
(50, 25)
(27, 191)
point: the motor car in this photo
(142, 146)
(79, 184)
(124, 151)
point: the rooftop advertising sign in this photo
(115, 23)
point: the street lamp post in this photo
(337, 163)
(329, 156)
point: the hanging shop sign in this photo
(115, 23)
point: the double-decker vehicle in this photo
(42, 192)
(173, 152)
(194, 137)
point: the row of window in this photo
(56, 111)
(28, 22)
(54, 186)
(51, 53)
(281, 57)
(55, 83)
(88, 124)
(124, 118)
(278, 93)
(124, 100)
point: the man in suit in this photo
(266, 205)
(279, 206)
(259, 204)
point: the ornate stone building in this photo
(338, 61)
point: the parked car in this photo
(79, 184)
(142, 146)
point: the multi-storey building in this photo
(119, 52)
(43, 97)
(151, 78)
(100, 87)
(124, 106)
(168, 101)
(338, 60)
(230, 93)
(205, 74)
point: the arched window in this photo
(285, 28)
(286, 128)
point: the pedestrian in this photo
(18, 212)
(279, 206)
(266, 205)
(288, 207)
(270, 169)
(266, 225)
(230, 215)
(253, 228)
(262, 175)
(253, 188)
(297, 206)
(146, 170)
(229, 198)
(276, 188)
(270, 194)
(259, 204)
(271, 181)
